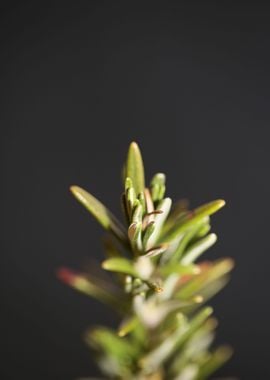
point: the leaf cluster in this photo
(157, 284)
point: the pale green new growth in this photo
(155, 283)
(135, 169)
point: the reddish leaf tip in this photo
(66, 275)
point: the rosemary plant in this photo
(156, 283)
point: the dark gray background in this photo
(79, 80)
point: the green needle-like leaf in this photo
(128, 183)
(216, 360)
(207, 276)
(155, 251)
(159, 219)
(135, 236)
(180, 269)
(187, 237)
(158, 187)
(137, 214)
(196, 349)
(111, 342)
(127, 326)
(134, 168)
(198, 248)
(156, 357)
(120, 265)
(131, 196)
(191, 218)
(99, 212)
(91, 287)
(148, 232)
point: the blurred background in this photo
(189, 81)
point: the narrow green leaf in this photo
(148, 232)
(186, 238)
(160, 354)
(135, 236)
(120, 265)
(198, 248)
(108, 341)
(159, 219)
(155, 251)
(131, 197)
(92, 287)
(127, 326)
(180, 269)
(215, 271)
(196, 322)
(220, 356)
(190, 218)
(205, 228)
(152, 314)
(148, 201)
(158, 179)
(158, 187)
(189, 372)
(115, 354)
(155, 191)
(196, 348)
(128, 183)
(134, 168)
(141, 198)
(137, 214)
(99, 212)
(214, 287)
